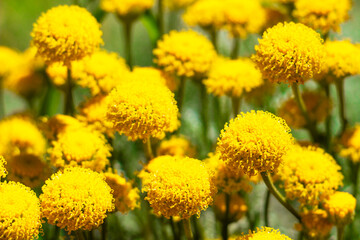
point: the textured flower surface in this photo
(58, 124)
(185, 53)
(176, 146)
(315, 224)
(237, 209)
(233, 77)
(264, 233)
(341, 208)
(309, 174)
(58, 74)
(178, 187)
(76, 198)
(351, 144)
(127, 9)
(66, 33)
(142, 109)
(290, 53)
(20, 213)
(254, 142)
(3, 171)
(155, 75)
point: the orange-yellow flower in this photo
(341, 208)
(264, 233)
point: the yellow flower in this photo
(59, 124)
(317, 105)
(315, 224)
(75, 199)
(264, 233)
(66, 33)
(142, 109)
(178, 4)
(251, 19)
(233, 77)
(254, 142)
(185, 53)
(155, 75)
(20, 212)
(309, 175)
(341, 208)
(179, 187)
(351, 144)
(8, 60)
(322, 15)
(3, 171)
(100, 72)
(126, 9)
(237, 207)
(126, 196)
(208, 14)
(80, 147)
(176, 146)
(57, 73)
(289, 52)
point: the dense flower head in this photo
(3, 171)
(254, 142)
(309, 174)
(155, 75)
(179, 187)
(264, 233)
(237, 205)
(341, 208)
(315, 224)
(100, 72)
(126, 196)
(323, 15)
(185, 53)
(66, 33)
(126, 9)
(8, 60)
(80, 147)
(58, 124)
(351, 144)
(20, 212)
(233, 77)
(317, 105)
(142, 109)
(290, 53)
(176, 146)
(178, 4)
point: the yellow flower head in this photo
(323, 15)
(76, 198)
(254, 142)
(20, 212)
(309, 175)
(176, 146)
(66, 33)
(208, 14)
(155, 75)
(251, 19)
(317, 104)
(237, 208)
(178, 4)
(126, 9)
(185, 53)
(264, 233)
(289, 52)
(341, 208)
(126, 196)
(142, 109)
(80, 147)
(315, 224)
(233, 77)
(351, 144)
(59, 124)
(57, 73)
(179, 187)
(100, 72)
(3, 171)
(8, 60)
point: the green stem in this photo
(340, 232)
(326, 87)
(266, 208)
(204, 115)
(236, 103)
(161, 17)
(79, 235)
(148, 150)
(104, 230)
(176, 235)
(187, 229)
(235, 48)
(2, 102)
(181, 93)
(339, 83)
(225, 223)
(69, 108)
(198, 230)
(265, 176)
(128, 53)
(355, 173)
(56, 233)
(214, 38)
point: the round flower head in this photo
(8, 60)
(315, 224)
(264, 233)
(58, 74)
(351, 144)
(66, 33)
(233, 77)
(153, 165)
(251, 19)
(179, 187)
(58, 124)
(125, 195)
(142, 109)
(155, 75)
(20, 212)
(309, 175)
(176, 146)
(290, 53)
(208, 14)
(76, 199)
(254, 142)
(178, 4)
(341, 208)
(80, 147)
(100, 72)
(237, 208)
(185, 53)
(317, 105)
(322, 15)
(3, 171)
(126, 9)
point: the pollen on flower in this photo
(176, 146)
(264, 233)
(341, 208)
(126, 9)
(254, 142)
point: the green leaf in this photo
(151, 26)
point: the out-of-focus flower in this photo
(154, 75)
(59, 124)
(341, 208)
(237, 207)
(176, 146)
(127, 10)
(58, 73)
(178, 4)
(264, 233)
(351, 144)
(8, 59)
(315, 224)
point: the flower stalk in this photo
(69, 108)
(187, 229)
(339, 83)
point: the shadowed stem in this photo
(214, 38)
(326, 87)
(79, 235)
(236, 48)
(340, 232)
(176, 234)
(225, 223)
(187, 229)
(266, 208)
(104, 230)
(148, 150)
(128, 53)
(339, 83)
(160, 19)
(181, 93)
(69, 108)
(236, 103)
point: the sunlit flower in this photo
(289, 52)
(341, 208)
(178, 4)
(254, 142)
(233, 77)
(237, 207)
(3, 171)
(58, 73)
(66, 33)
(126, 9)
(185, 53)
(76, 198)
(155, 75)
(176, 146)
(20, 212)
(351, 144)
(8, 59)
(264, 233)
(59, 124)
(315, 224)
